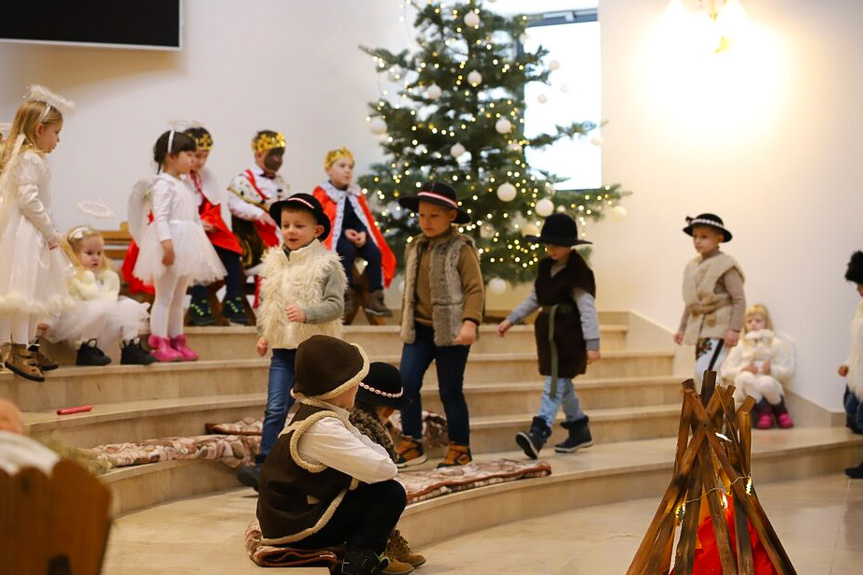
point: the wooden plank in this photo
(30, 517)
(745, 562)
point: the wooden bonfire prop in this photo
(714, 446)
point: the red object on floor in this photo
(71, 410)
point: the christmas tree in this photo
(458, 117)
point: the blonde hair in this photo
(27, 118)
(758, 309)
(72, 246)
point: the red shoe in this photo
(784, 421)
(162, 350)
(179, 344)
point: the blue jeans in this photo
(450, 362)
(279, 399)
(565, 396)
(853, 407)
(368, 252)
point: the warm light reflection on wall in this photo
(715, 77)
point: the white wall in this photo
(774, 149)
(245, 66)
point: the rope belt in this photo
(552, 311)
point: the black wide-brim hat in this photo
(558, 230)
(326, 367)
(436, 193)
(854, 273)
(707, 220)
(305, 202)
(383, 386)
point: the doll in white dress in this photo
(175, 251)
(758, 366)
(33, 271)
(101, 317)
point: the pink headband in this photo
(439, 197)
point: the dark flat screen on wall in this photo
(149, 24)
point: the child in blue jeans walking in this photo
(567, 334)
(302, 292)
(853, 366)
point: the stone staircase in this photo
(631, 395)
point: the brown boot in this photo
(456, 455)
(45, 362)
(24, 363)
(398, 549)
(397, 567)
(376, 305)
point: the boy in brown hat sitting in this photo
(324, 483)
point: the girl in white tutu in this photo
(175, 250)
(33, 271)
(100, 317)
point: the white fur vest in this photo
(446, 290)
(855, 359)
(709, 312)
(298, 280)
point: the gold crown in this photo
(334, 155)
(266, 142)
(204, 142)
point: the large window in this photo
(572, 40)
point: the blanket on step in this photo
(232, 450)
(271, 556)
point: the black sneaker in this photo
(855, 472)
(234, 310)
(579, 436)
(250, 476)
(90, 354)
(45, 362)
(133, 353)
(200, 313)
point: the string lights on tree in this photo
(456, 115)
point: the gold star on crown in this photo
(266, 142)
(204, 142)
(334, 155)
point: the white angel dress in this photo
(100, 312)
(175, 217)
(32, 277)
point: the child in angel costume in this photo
(33, 271)
(174, 249)
(100, 317)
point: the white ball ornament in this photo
(378, 126)
(457, 150)
(529, 230)
(544, 207)
(564, 88)
(506, 192)
(542, 98)
(554, 65)
(503, 126)
(597, 140)
(434, 92)
(497, 286)
(474, 78)
(471, 19)
(617, 213)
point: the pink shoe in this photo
(179, 344)
(765, 421)
(784, 421)
(162, 351)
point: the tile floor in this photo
(819, 521)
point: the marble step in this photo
(603, 474)
(239, 342)
(72, 386)
(524, 397)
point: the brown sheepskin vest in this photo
(297, 498)
(709, 313)
(568, 337)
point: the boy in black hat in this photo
(379, 395)
(302, 290)
(441, 309)
(713, 294)
(325, 483)
(853, 366)
(567, 334)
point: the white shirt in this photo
(240, 188)
(340, 445)
(18, 451)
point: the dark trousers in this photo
(279, 399)
(364, 519)
(450, 362)
(233, 281)
(853, 407)
(368, 252)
